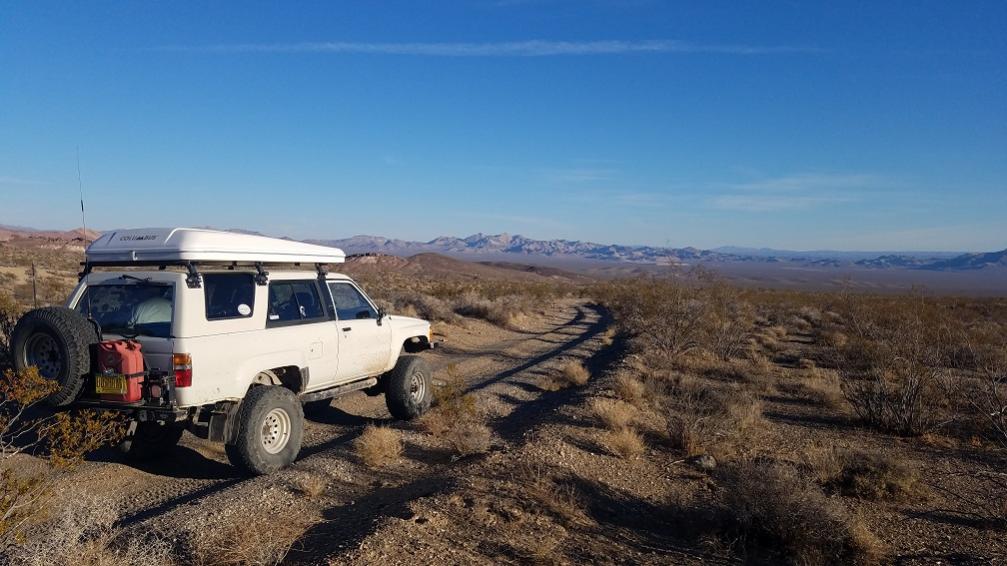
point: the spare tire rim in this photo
(417, 386)
(42, 351)
(275, 430)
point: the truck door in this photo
(298, 321)
(364, 343)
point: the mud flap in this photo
(223, 425)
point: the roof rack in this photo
(194, 247)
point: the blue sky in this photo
(801, 125)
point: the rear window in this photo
(229, 295)
(133, 309)
(291, 302)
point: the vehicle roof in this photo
(147, 245)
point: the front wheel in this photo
(409, 388)
(270, 429)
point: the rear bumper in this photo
(140, 411)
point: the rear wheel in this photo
(270, 429)
(57, 341)
(149, 441)
(409, 388)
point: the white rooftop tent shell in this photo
(181, 245)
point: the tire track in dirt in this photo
(493, 363)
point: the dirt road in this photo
(195, 486)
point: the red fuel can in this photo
(120, 371)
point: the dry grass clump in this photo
(612, 413)
(869, 475)
(82, 531)
(259, 540)
(458, 420)
(575, 374)
(311, 486)
(772, 511)
(572, 374)
(825, 389)
(630, 389)
(543, 489)
(378, 446)
(624, 442)
(468, 437)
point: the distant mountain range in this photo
(506, 247)
(516, 245)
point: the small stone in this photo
(703, 462)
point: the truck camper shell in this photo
(194, 247)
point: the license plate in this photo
(110, 384)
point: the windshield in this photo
(132, 309)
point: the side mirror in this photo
(381, 316)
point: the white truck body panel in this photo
(228, 354)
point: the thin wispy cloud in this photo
(797, 191)
(19, 181)
(530, 48)
(578, 175)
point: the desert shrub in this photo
(426, 307)
(612, 413)
(891, 372)
(624, 442)
(773, 512)
(504, 311)
(665, 318)
(10, 311)
(82, 531)
(378, 446)
(63, 440)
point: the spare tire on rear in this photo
(57, 341)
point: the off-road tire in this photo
(248, 451)
(67, 337)
(404, 400)
(150, 441)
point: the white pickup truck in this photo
(238, 334)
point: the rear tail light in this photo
(182, 364)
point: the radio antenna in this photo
(83, 223)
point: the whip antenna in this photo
(83, 222)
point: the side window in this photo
(350, 303)
(293, 301)
(229, 295)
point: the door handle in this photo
(347, 328)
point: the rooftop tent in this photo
(182, 245)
